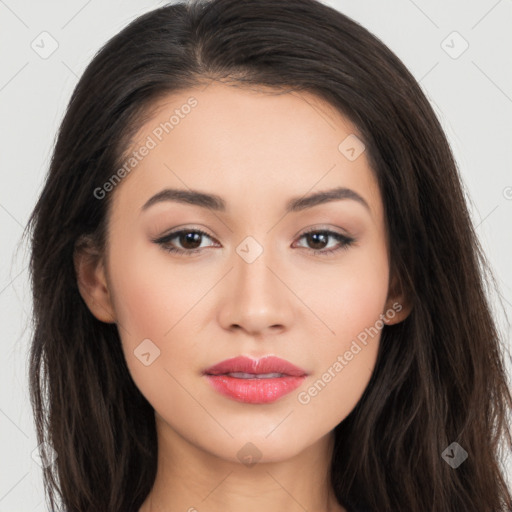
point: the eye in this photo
(190, 241)
(319, 239)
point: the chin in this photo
(256, 447)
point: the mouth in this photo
(252, 381)
(242, 375)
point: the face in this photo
(255, 273)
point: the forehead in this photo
(232, 113)
(254, 141)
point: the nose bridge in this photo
(251, 272)
(255, 299)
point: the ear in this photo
(398, 306)
(91, 279)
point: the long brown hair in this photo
(439, 376)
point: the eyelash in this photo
(345, 242)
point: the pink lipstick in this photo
(252, 381)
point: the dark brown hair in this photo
(439, 375)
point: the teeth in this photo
(241, 375)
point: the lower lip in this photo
(254, 391)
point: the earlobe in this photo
(398, 306)
(91, 280)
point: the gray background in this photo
(471, 91)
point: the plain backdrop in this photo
(460, 51)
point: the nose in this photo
(255, 297)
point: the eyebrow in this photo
(216, 203)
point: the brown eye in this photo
(188, 241)
(318, 240)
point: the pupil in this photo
(190, 238)
(318, 238)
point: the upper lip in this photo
(267, 364)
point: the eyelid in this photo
(323, 228)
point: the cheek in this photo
(361, 297)
(151, 302)
(344, 364)
(349, 295)
(350, 301)
(150, 295)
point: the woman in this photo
(256, 284)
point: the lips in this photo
(259, 367)
(252, 381)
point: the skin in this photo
(256, 150)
